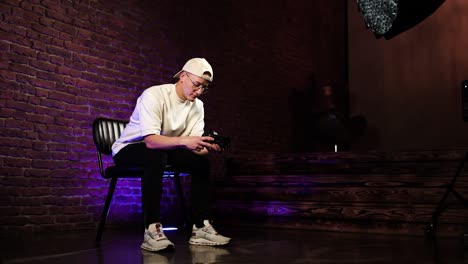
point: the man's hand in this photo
(215, 147)
(198, 144)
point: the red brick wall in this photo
(261, 52)
(63, 63)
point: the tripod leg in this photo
(460, 197)
(431, 228)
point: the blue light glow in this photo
(169, 228)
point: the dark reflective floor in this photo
(248, 246)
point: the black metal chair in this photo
(105, 132)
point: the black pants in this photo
(154, 162)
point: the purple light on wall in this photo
(277, 209)
(126, 203)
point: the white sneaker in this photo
(155, 239)
(207, 235)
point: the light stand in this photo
(432, 227)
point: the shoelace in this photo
(210, 229)
(158, 234)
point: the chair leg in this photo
(105, 211)
(186, 220)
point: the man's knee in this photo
(155, 158)
(193, 163)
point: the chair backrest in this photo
(105, 132)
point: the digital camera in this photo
(223, 141)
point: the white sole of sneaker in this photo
(205, 242)
(152, 249)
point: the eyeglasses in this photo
(197, 86)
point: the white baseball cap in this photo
(199, 67)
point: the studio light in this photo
(389, 18)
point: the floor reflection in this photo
(248, 246)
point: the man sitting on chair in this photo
(167, 127)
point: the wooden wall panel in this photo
(408, 87)
(361, 192)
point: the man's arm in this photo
(197, 144)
